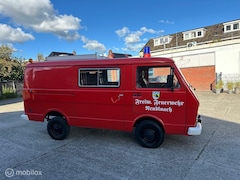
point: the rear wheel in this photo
(149, 134)
(58, 128)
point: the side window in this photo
(88, 77)
(102, 77)
(156, 77)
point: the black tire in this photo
(149, 134)
(58, 128)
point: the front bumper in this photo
(197, 130)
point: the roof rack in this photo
(56, 56)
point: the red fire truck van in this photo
(147, 96)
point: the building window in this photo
(162, 40)
(186, 36)
(228, 28)
(235, 26)
(231, 26)
(156, 42)
(197, 33)
(166, 40)
(193, 35)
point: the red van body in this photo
(107, 93)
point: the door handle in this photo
(120, 95)
(137, 94)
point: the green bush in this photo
(230, 85)
(237, 84)
(219, 84)
(8, 92)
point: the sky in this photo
(32, 27)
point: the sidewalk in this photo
(9, 105)
(222, 106)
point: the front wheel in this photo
(149, 134)
(58, 128)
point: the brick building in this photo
(203, 53)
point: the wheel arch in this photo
(51, 113)
(151, 118)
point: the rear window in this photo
(99, 77)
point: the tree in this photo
(10, 68)
(40, 57)
(17, 71)
(5, 53)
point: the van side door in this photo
(99, 98)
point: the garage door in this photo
(198, 69)
(200, 77)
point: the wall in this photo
(222, 56)
(228, 59)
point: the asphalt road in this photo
(27, 151)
